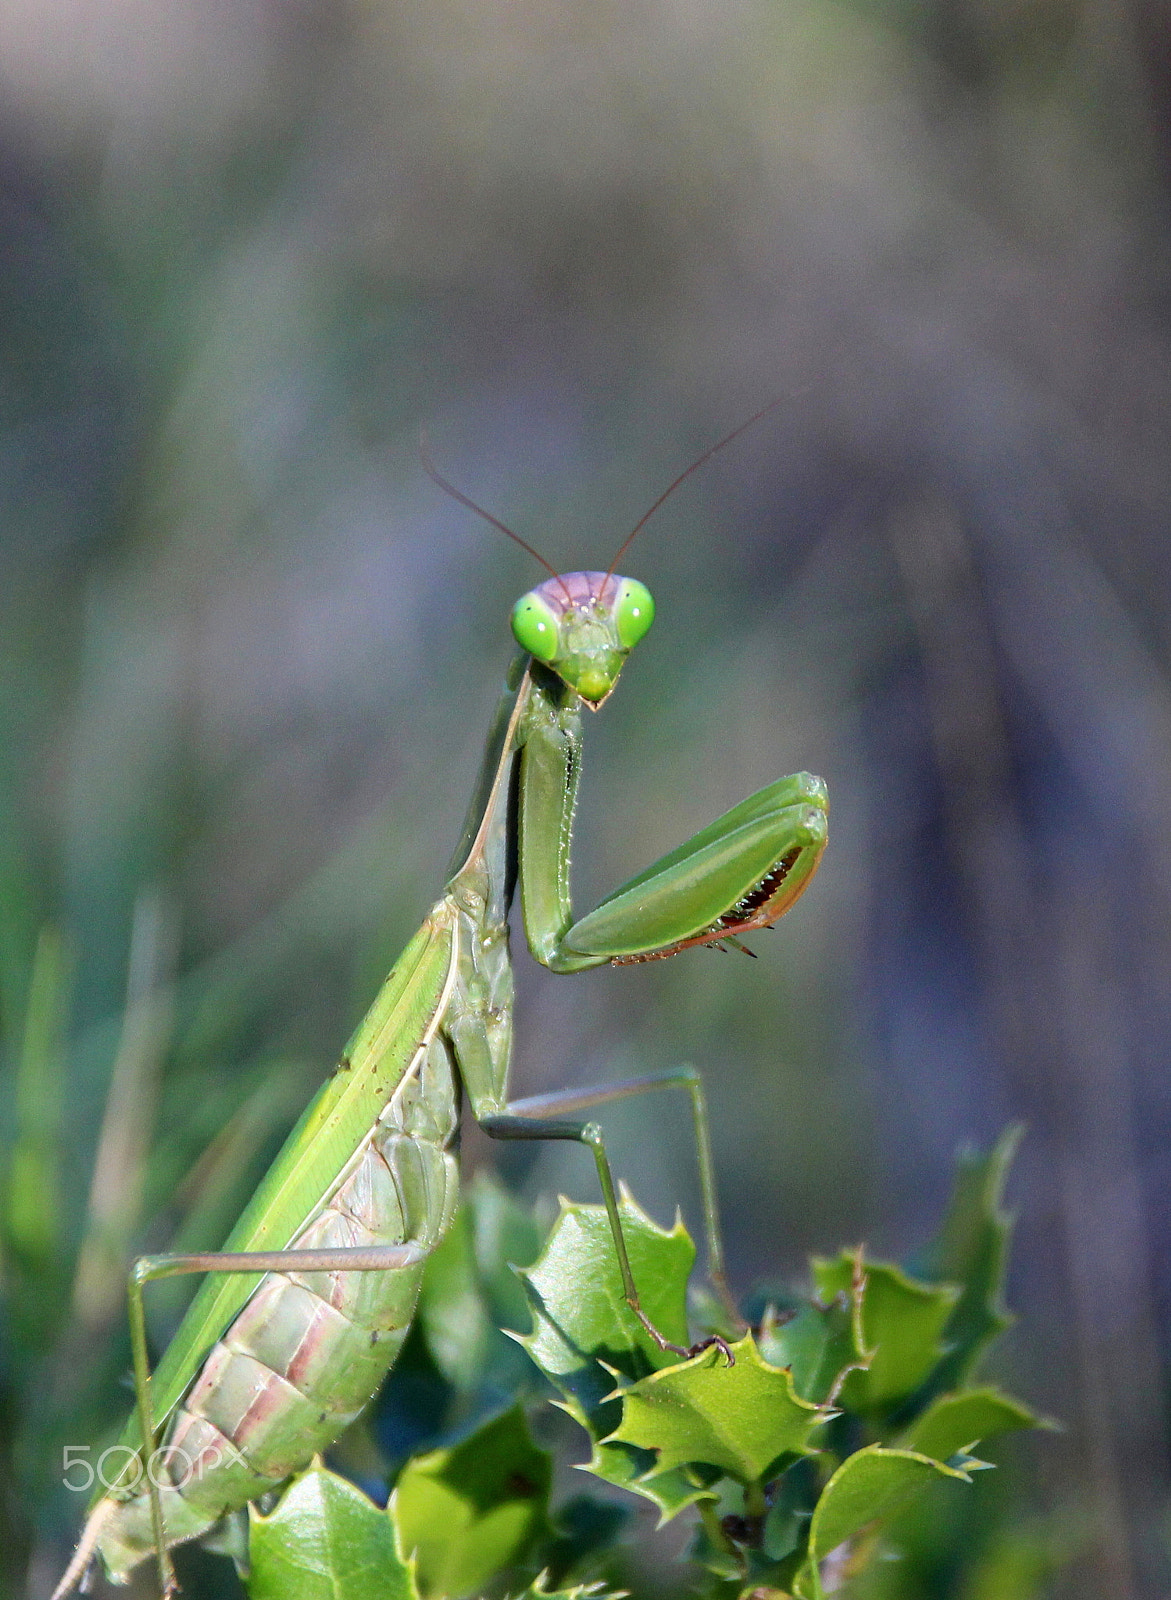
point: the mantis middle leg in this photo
(535, 1117)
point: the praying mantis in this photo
(303, 1312)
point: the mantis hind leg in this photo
(148, 1269)
(531, 1119)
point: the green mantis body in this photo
(304, 1311)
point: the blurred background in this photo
(248, 652)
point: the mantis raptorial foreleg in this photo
(263, 1373)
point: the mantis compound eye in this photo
(535, 626)
(634, 611)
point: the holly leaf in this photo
(903, 1322)
(819, 1344)
(955, 1422)
(451, 1311)
(466, 1512)
(869, 1486)
(580, 1591)
(470, 1289)
(506, 1235)
(583, 1330)
(584, 1335)
(325, 1540)
(742, 1419)
(628, 1467)
(972, 1251)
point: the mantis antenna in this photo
(456, 494)
(686, 473)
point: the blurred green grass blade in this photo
(118, 1182)
(32, 1195)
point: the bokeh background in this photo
(248, 652)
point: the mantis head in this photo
(582, 626)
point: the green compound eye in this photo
(634, 611)
(534, 627)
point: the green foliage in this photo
(837, 1423)
(849, 1385)
(819, 1344)
(902, 1329)
(465, 1514)
(841, 1434)
(479, 1506)
(956, 1421)
(745, 1419)
(325, 1538)
(866, 1489)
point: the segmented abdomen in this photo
(308, 1350)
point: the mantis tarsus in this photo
(304, 1310)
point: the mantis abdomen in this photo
(309, 1349)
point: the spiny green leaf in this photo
(468, 1511)
(972, 1250)
(584, 1334)
(869, 1485)
(583, 1330)
(820, 1344)
(326, 1541)
(743, 1419)
(956, 1421)
(628, 1467)
(902, 1327)
(581, 1591)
